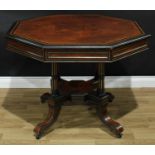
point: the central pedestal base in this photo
(93, 93)
(99, 100)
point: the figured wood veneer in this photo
(77, 38)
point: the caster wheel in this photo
(119, 135)
(38, 136)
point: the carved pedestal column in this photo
(62, 91)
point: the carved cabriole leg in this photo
(54, 101)
(115, 127)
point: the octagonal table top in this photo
(77, 38)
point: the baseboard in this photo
(110, 81)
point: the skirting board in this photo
(110, 81)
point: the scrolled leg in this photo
(101, 100)
(54, 100)
(114, 126)
(53, 112)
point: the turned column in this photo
(54, 78)
(100, 71)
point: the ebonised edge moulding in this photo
(73, 38)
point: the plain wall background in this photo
(12, 64)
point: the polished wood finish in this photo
(81, 29)
(77, 38)
(55, 100)
(52, 115)
(62, 91)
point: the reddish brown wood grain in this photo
(77, 38)
(76, 29)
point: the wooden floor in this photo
(20, 111)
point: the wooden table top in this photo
(72, 38)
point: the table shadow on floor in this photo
(25, 104)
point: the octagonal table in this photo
(72, 38)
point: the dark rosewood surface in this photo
(76, 29)
(77, 38)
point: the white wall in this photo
(110, 81)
